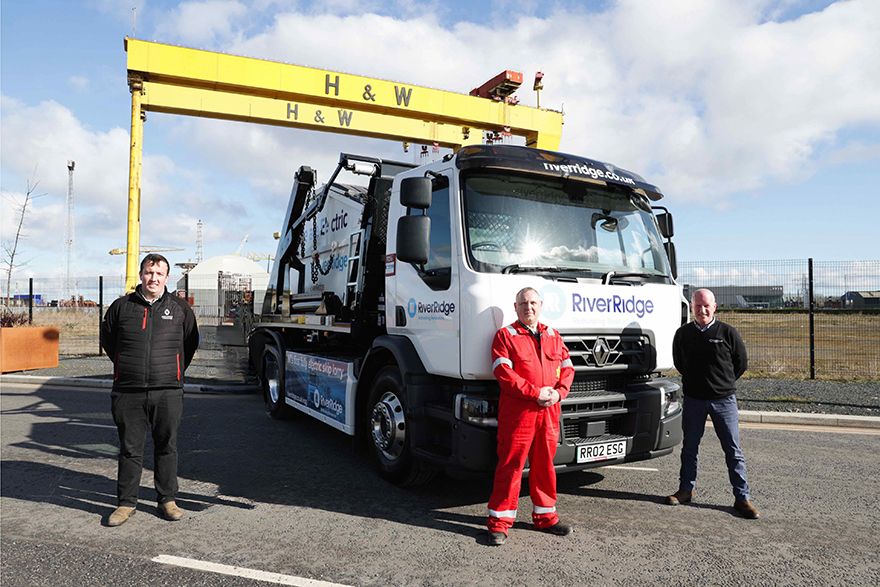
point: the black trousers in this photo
(157, 410)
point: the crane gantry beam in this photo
(193, 82)
(309, 116)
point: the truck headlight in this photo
(478, 410)
(670, 400)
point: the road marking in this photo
(91, 425)
(624, 467)
(254, 574)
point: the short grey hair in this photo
(702, 290)
(522, 292)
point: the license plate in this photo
(590, 453)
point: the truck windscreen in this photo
(514, 221)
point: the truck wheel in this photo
(273, 383)
(388, 433)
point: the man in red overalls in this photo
(534, 372)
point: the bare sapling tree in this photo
(10, 248)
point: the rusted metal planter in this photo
(28, 347)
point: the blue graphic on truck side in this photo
(317, 384)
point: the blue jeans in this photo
(725, 420)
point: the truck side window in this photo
(437, 272)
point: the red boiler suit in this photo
(523, 363)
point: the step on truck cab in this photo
(385, 295)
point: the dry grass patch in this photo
(847, 344)
(79, 328)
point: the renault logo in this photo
(601, 352)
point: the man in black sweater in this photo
(711, 356)
(151, 337)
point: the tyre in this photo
(388, 432)
(273, 382)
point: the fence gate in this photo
(234, 293)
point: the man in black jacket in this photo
(151, 337)
(711, 356)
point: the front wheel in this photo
(389, 434)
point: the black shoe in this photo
(497, 538)
(557, 529)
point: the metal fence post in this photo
(30, 300)
(812, 321)
(100, 311)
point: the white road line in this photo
(254, 574)
(629, 468)
(91, 425)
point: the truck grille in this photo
(595, 392)
(609, 351)
(582, 430)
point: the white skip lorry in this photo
(386, 293)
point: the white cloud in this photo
(203, 23)
(765, 97)
(78, 82)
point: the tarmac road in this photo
(293, 498)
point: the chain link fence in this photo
(77, 308)
(798, 318)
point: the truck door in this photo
(426, 306)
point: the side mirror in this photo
(413, 236)
(415, 192)
(664, 221)
(670, 254)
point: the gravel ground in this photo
(221, 364)
(811, 397)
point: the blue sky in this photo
(759, 119)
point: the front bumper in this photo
(632, 414)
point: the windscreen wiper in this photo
(517, 268)
(606, 279)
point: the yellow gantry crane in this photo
(192, 82)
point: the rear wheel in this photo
(273, 382)
(388, 431)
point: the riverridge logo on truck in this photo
(612, 305)
(556, 301)
(590, 171)
(325, 404)
(431, 310)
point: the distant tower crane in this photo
(241, 245)
(68, 240)
(199, 241)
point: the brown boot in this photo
(120, 516)
(679, 497)
(170, 511)
(745, 508)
